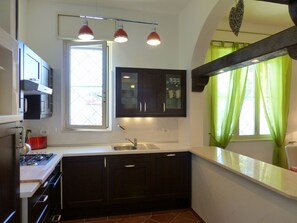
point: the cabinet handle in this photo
(144, 106)
(129, 166)
(43, 199)
(104, 162)
(140, 106)
(45, 184)
(25, 105)
(164, 107)
(56, 218)
(170, 155)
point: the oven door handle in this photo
(57, 180)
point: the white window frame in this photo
(105, 109)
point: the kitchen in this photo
(190, 130)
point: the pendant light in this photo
(120, 36)
(85, 32)
(153, 38)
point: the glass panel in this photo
(129, 99)
(86, 85)
(247, 115)
(173, 91)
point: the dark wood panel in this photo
(84, 181)
(270, 47)
(171, 176)
(129, 178)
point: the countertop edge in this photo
(220, 158)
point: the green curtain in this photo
(227, 95)
(274, 81)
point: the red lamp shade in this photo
(85, 32)
(120, 36)
(153, 38)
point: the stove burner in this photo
(35, 159)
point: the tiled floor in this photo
(173, 216)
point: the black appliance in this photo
(9, 172)
(36, 159)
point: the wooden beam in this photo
(268, 48)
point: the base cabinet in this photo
(84, 185)
(120, 184)
(129, 178)
(44, 206)
(171, 177)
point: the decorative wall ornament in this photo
(236, 17)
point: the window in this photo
(252, 121)
(87, 76)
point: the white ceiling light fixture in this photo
(85, 32)
(153, 38)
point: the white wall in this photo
(41, 36)
(185, 42)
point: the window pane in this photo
(86, 85)
(247, 115)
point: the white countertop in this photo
(274, 178)
(33, 176)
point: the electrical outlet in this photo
(43, 132)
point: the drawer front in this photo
(40, 209)
(128, 159)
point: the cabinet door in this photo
(171, 175)
(128, 94)
(174, 96)
(84, 182)
(151, 92)
(32, 65)
(9, 173)
(129, 178)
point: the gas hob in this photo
(36, 159)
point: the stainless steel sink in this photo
(124, 147)
(131, 147)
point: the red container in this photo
(38, 142)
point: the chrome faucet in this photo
(134, 142)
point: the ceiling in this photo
(255, 11)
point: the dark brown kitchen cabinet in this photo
(36, 82)
(121, 184)
(32, 64)
(84, 184)
(171, 177)
(9, 173)
(38, 106)
(142, 92)
(129, 178)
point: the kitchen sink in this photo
(124, 147)
(131, 147)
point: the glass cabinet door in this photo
(173, 92)
(129, 90)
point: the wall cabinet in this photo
(36, 80)
(144, 92)
(118, 184)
